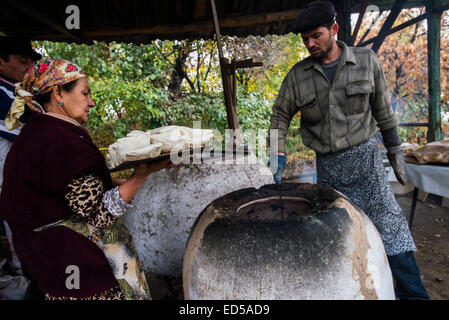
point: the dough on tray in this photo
(139, 145)
(132, 148)
(176, 138)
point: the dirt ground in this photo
(430, 232)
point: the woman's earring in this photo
(61, 105)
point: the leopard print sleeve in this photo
(88, 199)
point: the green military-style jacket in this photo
(335, 116)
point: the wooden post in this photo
(433, 48)
(229, 80)
(359, 22)
(395, 11)
(226, 77)
(344, 21)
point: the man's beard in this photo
(326, 50)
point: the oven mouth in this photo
(275, 207)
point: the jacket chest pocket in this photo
(357, 96)
(310, 110)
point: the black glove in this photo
(396, 159)
(392, 142)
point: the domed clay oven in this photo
(170, 201)
(288, 241)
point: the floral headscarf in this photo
(39, 80)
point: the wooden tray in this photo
(133, 164)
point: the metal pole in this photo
(412, 210)
(433, 48)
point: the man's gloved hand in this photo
(282, 159)
(396, 158)
(392, 142)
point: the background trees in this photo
(403, 57)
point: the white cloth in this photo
(177, 138)
(139, 145)
(132, 148)
(429, 178)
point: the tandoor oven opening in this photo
(275, 207)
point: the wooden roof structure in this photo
(141, 21)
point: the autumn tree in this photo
(403, 57)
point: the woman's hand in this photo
(144, 169)
(129, 188)
(118, 181)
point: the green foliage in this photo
(207, 108)
(177, 82)
(130, 82)
(253, 109)
(127, 85)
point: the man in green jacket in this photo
(343, 98)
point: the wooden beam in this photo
(199, 10)
(395, 29)
(217, 29)
(226, 77)
(344, 21)
(200, 27)
(395, 11)
(248, 63)
(434, 76)
(404, 25)
(369, 28)
(22, 6)
(359, 22)
(442, 8)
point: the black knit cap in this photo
(16, 45)
(314, 15)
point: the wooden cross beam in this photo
(404, 25)
(394, 13)
(229, 79)
(22, 6)
(359, 22)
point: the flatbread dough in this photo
(135, 146)
(432, 152)
(139, 145)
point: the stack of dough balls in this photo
(139, 145)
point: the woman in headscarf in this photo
(58, 196)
